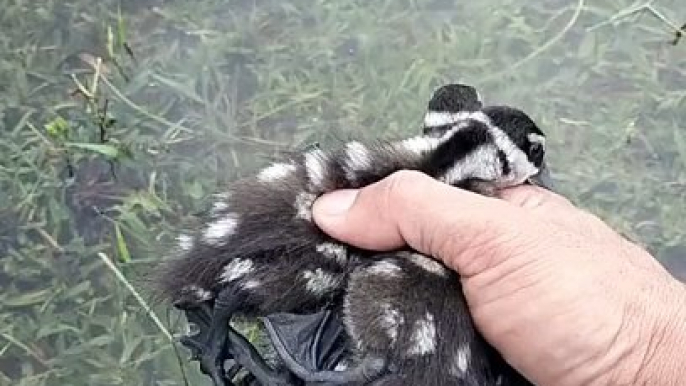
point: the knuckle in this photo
(398, 197)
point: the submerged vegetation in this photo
(119, 117)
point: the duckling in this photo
(259, 253)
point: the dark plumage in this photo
(445, 103)
(259, 253)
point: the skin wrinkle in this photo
(484, 283)
(652, 333)
(616, 338)
(527, 314)
(485, 253)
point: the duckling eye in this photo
(536, 153)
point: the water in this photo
(219, 87)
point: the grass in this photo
(105, 154)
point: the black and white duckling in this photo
(259, 253)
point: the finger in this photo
(534, 197)
(410, 208)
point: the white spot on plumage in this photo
(236, 269)
(217, 231)
(428, 264)
(340, 366)
(384, 268)
(319, 282)
(200, 294)
(276, 172)
(185, 242)
(390, 321)
(203, 294)
(335, 251)
(349, 323)
(250, 284)
(219, 206)
(303, 205)
(315, 166)
(424, 336)
(222, 196)
(460, 363)
(221, 203)
(192, 329)
(357, 157)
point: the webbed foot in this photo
(207, 346)
(216, 341)
(312, 345)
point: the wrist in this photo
(657, 355)
(666, 348)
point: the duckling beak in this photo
(543, 178)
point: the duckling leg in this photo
(310, 346)
(217, 341)
(245, 354)
(368, 370)
(209, 344)
(200, 345)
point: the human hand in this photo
(563, 297)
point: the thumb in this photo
(411, 208)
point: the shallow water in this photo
(217, 88)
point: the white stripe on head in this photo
(536, 138)
(480, 117)
(481, 163)
(459, 120)
(419, 144)
(441, 118)
(520, 167)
